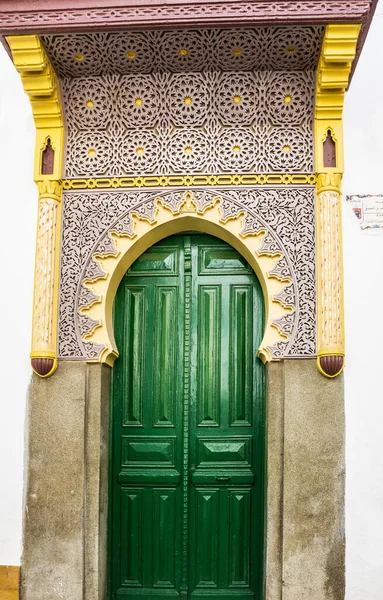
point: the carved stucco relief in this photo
(188, 103)
(293, 48)
(282, 220)
(181, 123)
(209, 101)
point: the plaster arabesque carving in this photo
(281, 220)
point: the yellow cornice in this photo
(337, 54)
(41, 84)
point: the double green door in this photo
(187, 445)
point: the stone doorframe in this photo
(66, 493)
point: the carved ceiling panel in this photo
(179, 123)
(186, 50)
(208, 101)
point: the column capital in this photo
(50, 189)
(329, 182)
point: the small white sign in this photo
(368, 208)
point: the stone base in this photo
(66, 494)
(305, 491)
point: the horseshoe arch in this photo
(167, 214)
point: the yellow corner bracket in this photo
(337, 55)
(41, 84)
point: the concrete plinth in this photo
(65, 510)
(305, 490)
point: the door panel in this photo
(206, 546)
(132, 536)
(240, 355)
(239, 538)
(208, 351)
(157, 260)
(186, 510)
(164, 538)
(134, 361)
(165, 356)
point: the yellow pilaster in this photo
(338, 52)
(41, 84)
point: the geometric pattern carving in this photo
(294, 48)
(286, 216)
(287, 95)
(208, 122)
(180, 108)
(188, 102)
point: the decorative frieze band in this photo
(190, 180)
(181, 13)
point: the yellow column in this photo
(338, 52)
(41, 84)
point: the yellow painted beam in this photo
(338, 52)
(41, 84)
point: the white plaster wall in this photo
(17, 241)
(363, 261)
(364, 323)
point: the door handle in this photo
(222, 479)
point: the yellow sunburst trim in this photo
(168, 222)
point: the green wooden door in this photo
(187, 443)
